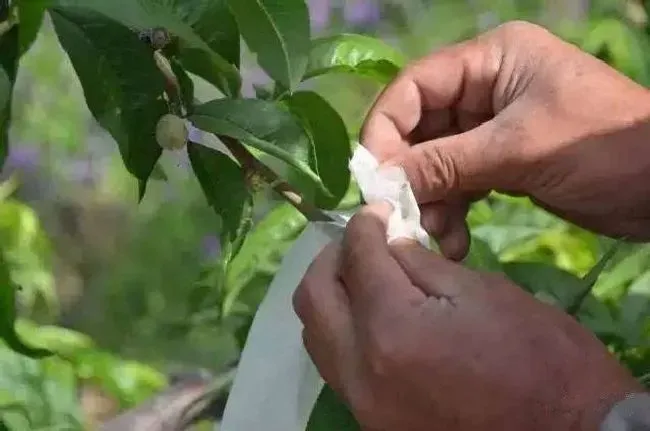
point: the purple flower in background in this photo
(361, 12)
(211, 246)
(22, 157)
(319, 13)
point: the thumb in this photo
(457, 164)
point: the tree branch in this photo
(253, 166)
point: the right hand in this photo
(519, 111)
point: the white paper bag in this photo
(277, 385)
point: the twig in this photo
(7, 25)
(253, 166)
(177, 407)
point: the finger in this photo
(374, 281)
(430, 272)
(446, 222)
(455, 242)
(485, 158)
(332, 368)
(461, 77)
(322, 305)
(432, 125)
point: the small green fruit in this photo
(171, 132)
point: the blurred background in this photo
(94, 261)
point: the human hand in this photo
(519, 111)
(414, 342)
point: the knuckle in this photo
(440, 168)
(519, 27)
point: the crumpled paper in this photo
(392, 185)
(277, 385)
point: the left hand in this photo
(414, 342)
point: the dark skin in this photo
(414, 341)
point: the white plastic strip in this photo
(277, 384)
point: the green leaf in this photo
(537, 277)
(242, 331)
(330, 413)
(58, 340)
(589, 280)
(159, 173)
(195, 52)
(278, 32)
(620, 45)
(224, 186)
(213, 22)
(266, 126)
(613, 283)
(11, 403)
(251, 271)
(9, 55)
(121, 82)
(634, 308)
(332, 150)
(30, 14)
(129, 381)
(481, 257)
(3, 426)
(8, 316)
(354, 53)
(561, 288)
(186, 85)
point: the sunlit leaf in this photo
(278, 32)
(252, 270)
(129, 381)
(60, 341)
(27, 252)
(619, 44)
(8, 316)
(354, 53)
(615, 280)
